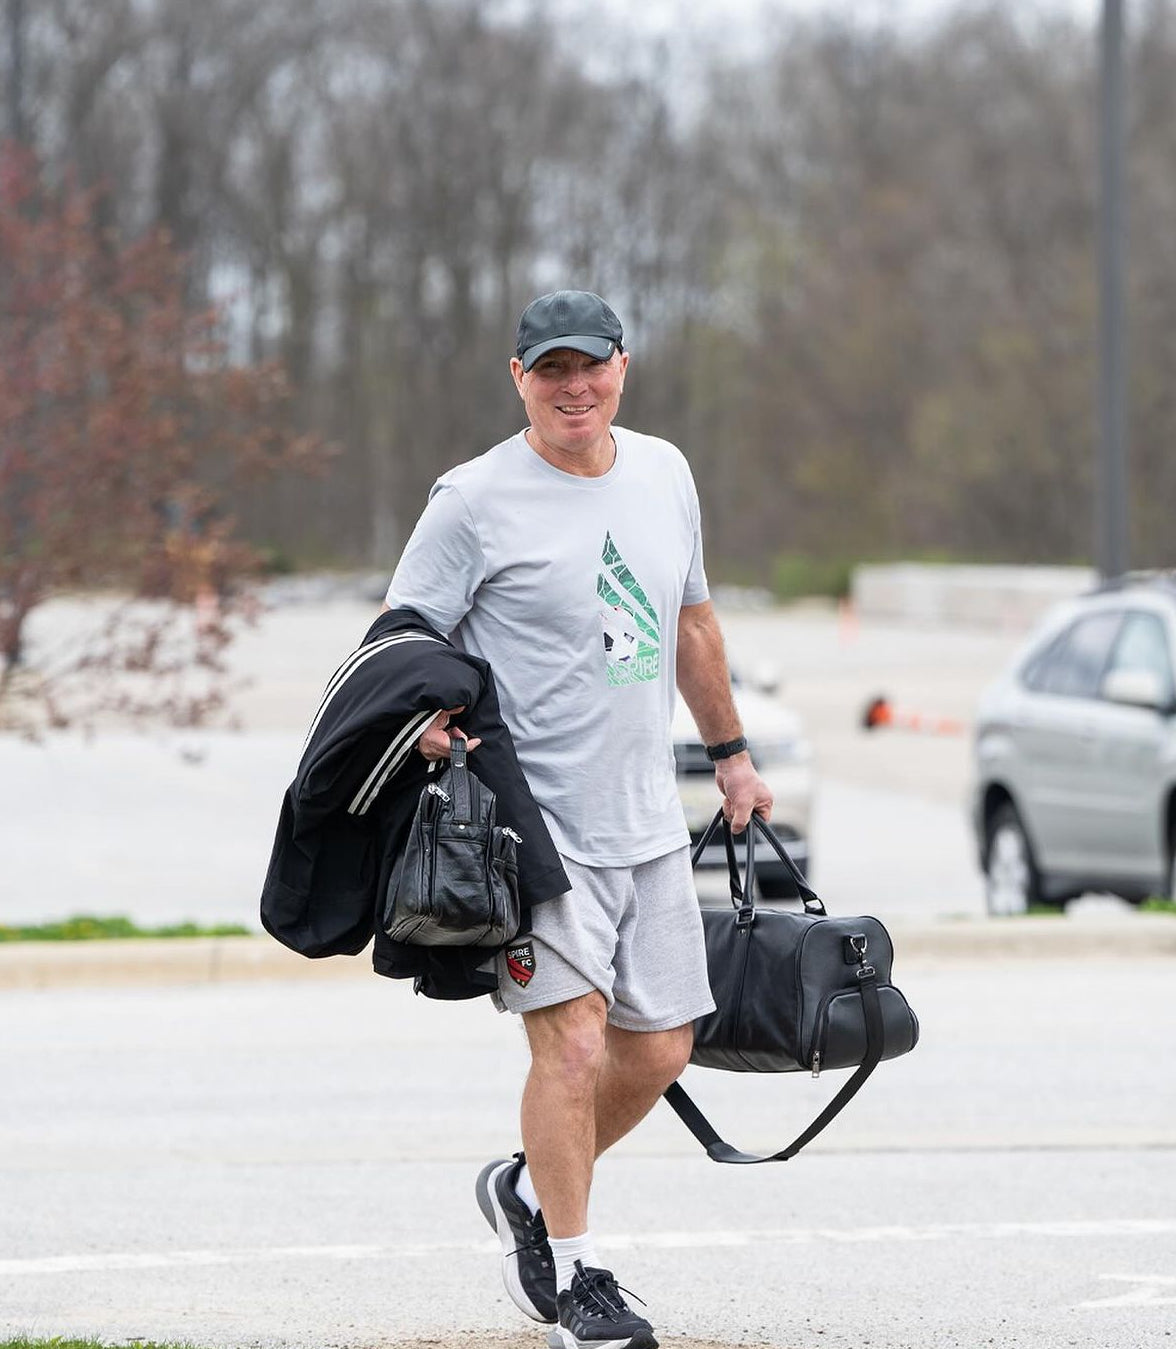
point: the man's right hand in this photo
(434, 742)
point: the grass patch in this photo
(89, 927)
(60, 1342)
(798, 576)
(1157, 905)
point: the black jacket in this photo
(346, 815)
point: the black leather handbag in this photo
(456, 883)
(793, 991)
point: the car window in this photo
(1143, 645)
(1072, 665)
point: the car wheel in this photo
(1011, 880)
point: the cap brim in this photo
(599, 348)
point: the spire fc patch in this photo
(520, 962)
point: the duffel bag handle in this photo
(743, 891)
(812, 901)
(739, 900)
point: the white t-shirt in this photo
(570, 587)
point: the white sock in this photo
(567, 1250)
(526, 1191)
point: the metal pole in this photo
(1111, 478)
(16, 122)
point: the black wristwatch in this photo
(725, 750)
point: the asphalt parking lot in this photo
(177, 826)
(228, 1145)
(290, 1164)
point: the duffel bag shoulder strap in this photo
(719, 1151)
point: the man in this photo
(570, 558)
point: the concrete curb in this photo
(179, 960)
(1105, 936)
(211, 960)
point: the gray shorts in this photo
(633, 934)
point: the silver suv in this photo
(1076, 753)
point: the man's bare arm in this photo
(704, 679)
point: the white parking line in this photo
(1149, 1290)
(936, 1232)
(115, 1260)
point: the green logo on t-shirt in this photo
(632, 634)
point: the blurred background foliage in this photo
(856, 261)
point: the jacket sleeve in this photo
(321, 888)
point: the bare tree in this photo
(122, 431)
(855, 262)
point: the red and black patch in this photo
(520, 962)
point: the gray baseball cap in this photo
(568, 318)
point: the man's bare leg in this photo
(638, 1067)
(589, 1085)
(559, 1107)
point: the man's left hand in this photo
(744, 792)
(435, 742)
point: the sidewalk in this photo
(211, 960)
(289, 1165)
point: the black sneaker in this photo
(528, 1269)
(594, 1315)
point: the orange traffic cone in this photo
(879, 712)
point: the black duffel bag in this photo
(793, 991)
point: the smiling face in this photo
(571, 400)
